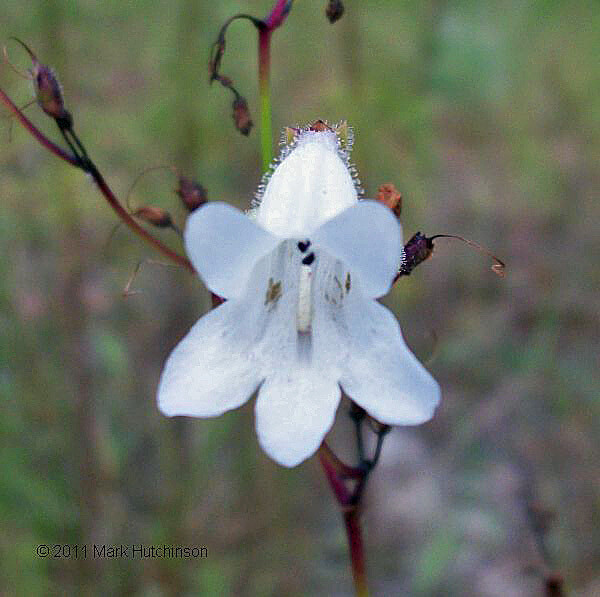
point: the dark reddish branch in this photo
(355, 544)
(278, 14)
(344, 471)
(124, 215)
(100, 183)
(348, 484)
(42, 139)
(264, 55)
(338, 474)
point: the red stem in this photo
(357, 552)
(345, 471)
(126, 217)
(264, 57)
(100, 183)
(337, 484)
(42, 139)
(338, 474)
(278, 14)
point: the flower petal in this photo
(212, 369)
(367, 238)
(224, 245)
(380, 372)
(296, 403)
(295, 409)
(311, 185)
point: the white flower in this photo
(300, 278)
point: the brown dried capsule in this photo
(416, 250)
(389, 195)
(48, 90)
(192, 193)
(420, 247)
(154, 215)
(334, 10)
(49, 95)
(241, 116)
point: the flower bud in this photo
(155, 215)
(192, 193)
(334, 10)
(389, 195)
(241, 116)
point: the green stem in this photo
(266, 125)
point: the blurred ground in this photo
(487, 117)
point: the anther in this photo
(303, 246)
(308, 259)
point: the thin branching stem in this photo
(80, 159)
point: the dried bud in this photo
(416, 250)
(241, 116)
(49, 94)
(192, 194)
(48, 90)
(319, 126)
(155, 215)
(334, 10)
(389, 195)
(420, 247)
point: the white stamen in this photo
(304, 314)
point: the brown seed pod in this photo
(416, 250)
(154, 215)
(420, 247)
(48, 90)
(241, 115)
(334, 10)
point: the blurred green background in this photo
(487, 117)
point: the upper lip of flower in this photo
(300, 320)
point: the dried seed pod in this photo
(241, 115)
(192, 193)
(334, 10)
(389, 195)
(48, 90)
(416, 250)
(154, 215)
(420, 247)
(49, 95)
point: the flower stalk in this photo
(266, 120)
(340, 476)
(243, 122)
